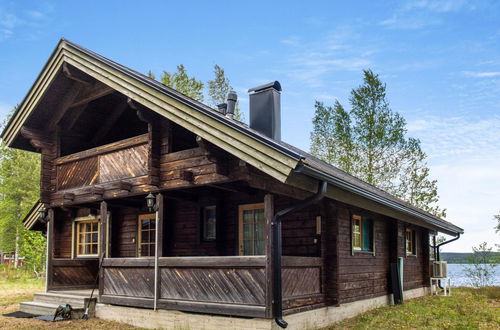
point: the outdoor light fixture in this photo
(151, 203)
(43, 214)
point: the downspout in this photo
(277, 251)
(438, 257)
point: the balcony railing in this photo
(111, 162)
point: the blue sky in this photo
(440, 60)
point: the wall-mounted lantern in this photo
(43, 214)
(151, 203)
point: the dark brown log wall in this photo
(62, 234)
(124, 232)
(415, 267)
(362, 275)
(299, 229)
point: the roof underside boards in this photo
(252, 147)
(31, 220)
(274, 158)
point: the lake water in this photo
(456, 272)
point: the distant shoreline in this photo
(464, 257)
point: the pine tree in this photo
(497, 218)
(218, 90)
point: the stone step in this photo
(59, 299)
(43, 308)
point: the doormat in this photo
(20, 315)
(50, 318)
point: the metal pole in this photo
(156, 262)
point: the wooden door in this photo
(252, 229)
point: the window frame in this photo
(204, 222)
(241, 209)
(141, 217)
(76, 236)
(361, 218)
(413, 242)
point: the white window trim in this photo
(74, 239)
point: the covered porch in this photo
(203, 249)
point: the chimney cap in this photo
(275, 84)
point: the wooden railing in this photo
(72, 273)
(222, 285)
(302, 282)
(111, 162)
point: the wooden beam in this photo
(75, 115)
(37, 138)
(109, 123)
(269, 245)
(73, 74)
(90, 94)
(68, 99)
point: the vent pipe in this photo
(232, 97)
(222, 108)
(265, 109)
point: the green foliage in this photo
(369, 141)
(466, 308)
(497, 218)
(331, 139)
(482, 266)
(33, 249)
(218, 90)
(182, 82)
(19, 190)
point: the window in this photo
(87, 238)
(410, 242)
(147, 235)
(362, 233)
(252, 229)
(209, 223)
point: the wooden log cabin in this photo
(238, 223)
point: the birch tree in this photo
(182, 82)
(369, 141)
(218, 88)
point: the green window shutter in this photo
(367, 234)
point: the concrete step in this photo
(43, 308)
(59, 299)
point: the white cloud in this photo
(32, 18)
(464, 156)
(413, 15)
(440, 6)
(484, 74)
(337, 50)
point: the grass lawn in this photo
(467, 308)
(19, 287)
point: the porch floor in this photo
(79, 293)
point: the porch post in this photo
(158, 246)
(50, 249)
(103, 244)
(268, 216)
